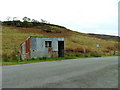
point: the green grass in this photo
(45, 60)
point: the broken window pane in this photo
(48, 43)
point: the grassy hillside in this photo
(75, 42)
(106, 37)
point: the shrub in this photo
(79, 54)
(110, 47)
(80, 50)
(5, 57)
(12, 57)
(33, 58)
(69, 57)
(42, 58)
(86, 55)
(15, 57)
(58, 31)
(47, 30)
(95, 54)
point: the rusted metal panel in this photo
(28, 45)
(27, 55)
(50, 52)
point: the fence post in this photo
(84, 51)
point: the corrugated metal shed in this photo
(35, 47)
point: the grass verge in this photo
(44, 60)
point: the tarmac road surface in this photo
(77, 73)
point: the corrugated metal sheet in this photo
(34, 47)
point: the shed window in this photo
(48, 43)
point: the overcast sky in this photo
(87, 16)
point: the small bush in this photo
(79, 54)
(86, 55)
(15, 57)
(42, 58)
(95, 54)
(5, 57)
(12, 57)
(58, 31)
(69, 57)
(47, 30)
(33, 58)
(110, 47)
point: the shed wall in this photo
(35, 47)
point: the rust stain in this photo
(27, 55)
(54, 53)
(28, 45)
(50, 52)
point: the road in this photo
(78, 73)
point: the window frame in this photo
(48, 44)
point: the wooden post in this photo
(84, 51)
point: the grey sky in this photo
(87, 16)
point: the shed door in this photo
(61, 48)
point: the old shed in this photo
(35, 47)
